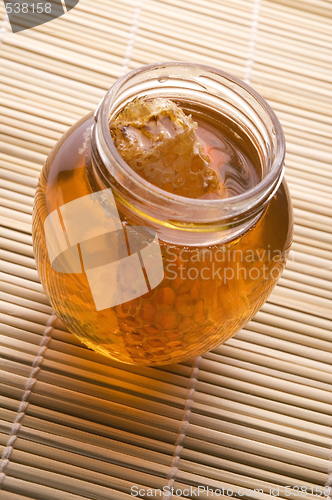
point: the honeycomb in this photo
(158, 141)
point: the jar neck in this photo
(177, 219)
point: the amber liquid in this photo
(231, 155)
(207, 294)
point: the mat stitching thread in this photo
(248, 70)
(183, 426)
(64, 6)
(3, 28)
(252, 43)
(24, 401)
(329, 479)
(132, 36)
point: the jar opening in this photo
(217, 91)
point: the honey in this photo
(209, 290)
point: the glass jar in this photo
(208, 265)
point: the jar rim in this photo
(249, 198)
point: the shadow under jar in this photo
(221, 256)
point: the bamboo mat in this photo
(252, 416)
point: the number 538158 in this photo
(24, 8)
